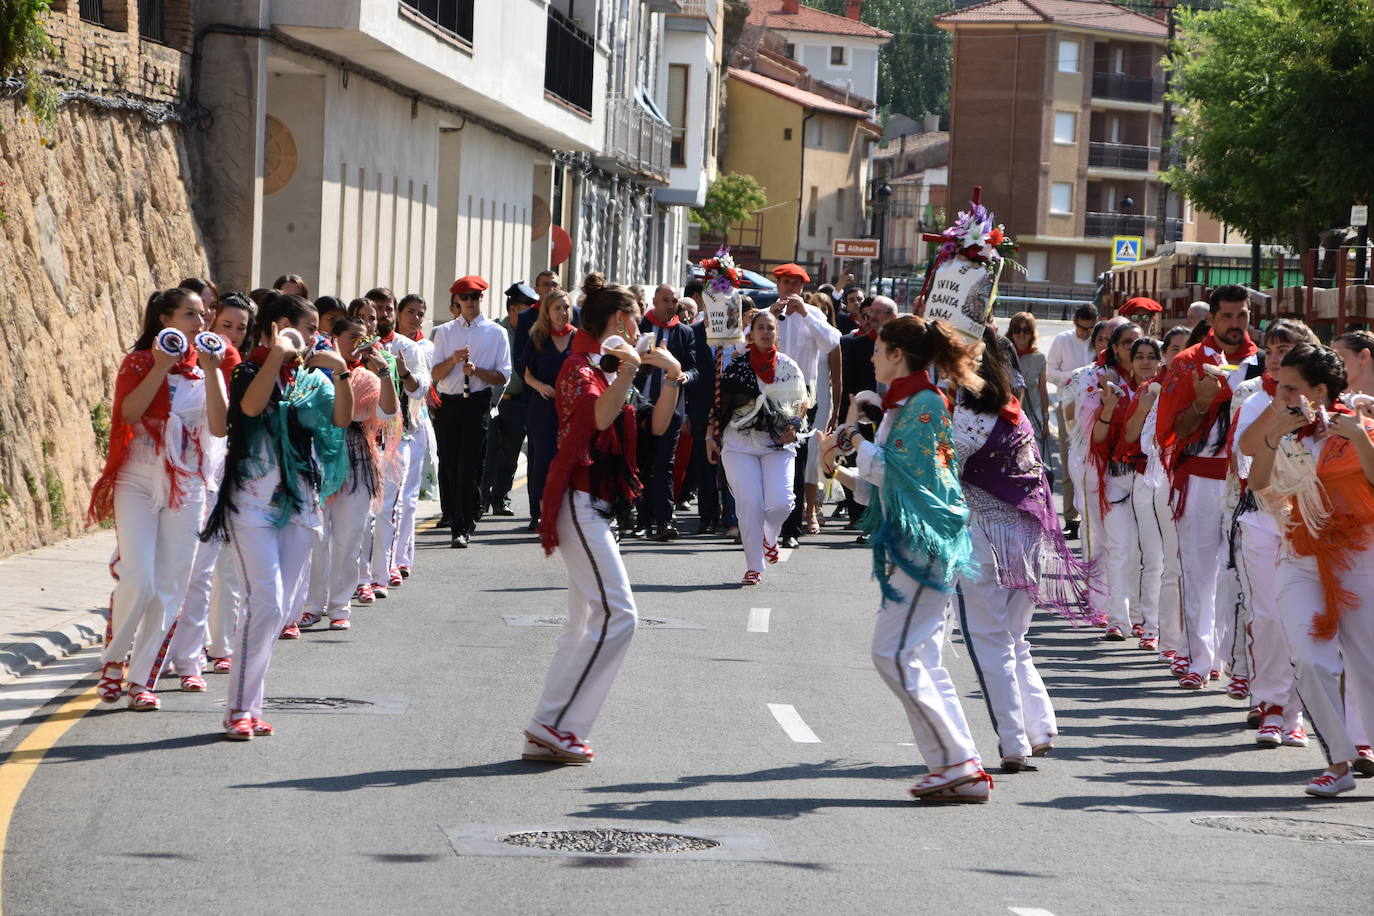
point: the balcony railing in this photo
(1121, 156)
(636, 139)
(703, 9)
(1106, 225)
(452, 16)
(1125, 87)
(93, 11)
(152, 20)
(569, 57)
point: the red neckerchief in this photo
(186, 366)
(419, 336)
(259, 355)
(1011, 412)
(1269, 384)
(908, 386)
(765, 365)
(1026, 352)
(390, 336)
(872, 335)
(567, 329)
(654, 320)
(1101, 359)
(587, 345)
(1248, 348)
(1311, 428)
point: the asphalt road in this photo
(347, 812)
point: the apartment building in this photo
(841, 51)
(1056, 111)
(915, 165)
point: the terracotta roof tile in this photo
(809, 19)
(1089, 14)
(794, 94)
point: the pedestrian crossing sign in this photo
(1126, 249)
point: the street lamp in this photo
(881, 195)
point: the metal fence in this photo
(93, 11)
(152, 20)
(637, 139)
(450, 15)
(1106, 225)
(568, 58)
(1126, 87)
(1121, 156)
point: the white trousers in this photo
(1233, 612)
(761, 481)
(995, 620)
(275, 563)
(1122, 553)
(1200, 544)
(386, 531)
(1271, 666)
(410, 494)
(209, 608)
(601, 619)
(1150, 541)
(1091, 535)
(908, 647)
(1172, 636)
(154, 553)
(1319, 663)
(334, 571)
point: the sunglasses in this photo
(469, 297)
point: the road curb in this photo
(20, 658)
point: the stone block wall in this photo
(89, 229)
(111, 58)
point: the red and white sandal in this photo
(141, 699)
(110, 689)
(751, 577)
(239, 727)
(1238, 688)
(565, 746)
(394, 578)
(309, 619)
(770, 552)
(193, 683)
(262, 728)
(221, 665)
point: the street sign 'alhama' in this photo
(961, 286)
(862, 249)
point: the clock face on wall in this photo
(279, 157)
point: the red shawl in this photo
(909, 386)
(1110, 449)
(132, 371)
(1346, 535)
(765, 365)
(1177, 396)
(580, 443)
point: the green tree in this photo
(914, 67)
(24, 47)
(1274, 135)
(729, 201)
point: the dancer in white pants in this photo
(917, 529)
(166, 409)
(1192, 428)
(592, 475)
(1021, 557)
(410, 321)
(762, 411)
(278, 471)
(1320, 468)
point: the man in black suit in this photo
(856, 351)
(657, 453)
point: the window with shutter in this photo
(677, 112)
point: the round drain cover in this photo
(1291, 828)
(289, 703)
(609, 841)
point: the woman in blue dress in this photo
(549, 340)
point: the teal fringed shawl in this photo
(919, 523)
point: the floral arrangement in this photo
(977, 236)
(721, 272)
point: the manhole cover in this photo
(296, 704)
(610, 841)
(1291, 828)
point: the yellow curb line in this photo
(23, 762)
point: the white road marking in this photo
(1029, 911)
(758, 619)
(784, 554)
(792, 723)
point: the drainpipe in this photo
(801, 187)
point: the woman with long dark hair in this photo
(1316, 465)
(549, 346)
(918, 530)
(286, 457)
(591, 480)
(1024, 335)
(168, 404)
(1022, 560)
(1115, 480)
(759, 418)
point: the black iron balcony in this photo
(1106, 225)
(1125, 87)
(152, 20)
(569, 56)
(452, 16)
(93, 11)
(1121, 156)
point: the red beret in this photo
(1140, 304)
(791, 270)
(469, 284)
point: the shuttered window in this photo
(677, 112)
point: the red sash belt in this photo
(1213, 468)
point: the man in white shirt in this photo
(471, 356)
(806, 336)
(1069, 351)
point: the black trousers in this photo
(657, 456)
(792, 528)
(460, 425)
(504, 438)
(707, 476)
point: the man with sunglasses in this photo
(471, 356)
(1069, 350)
